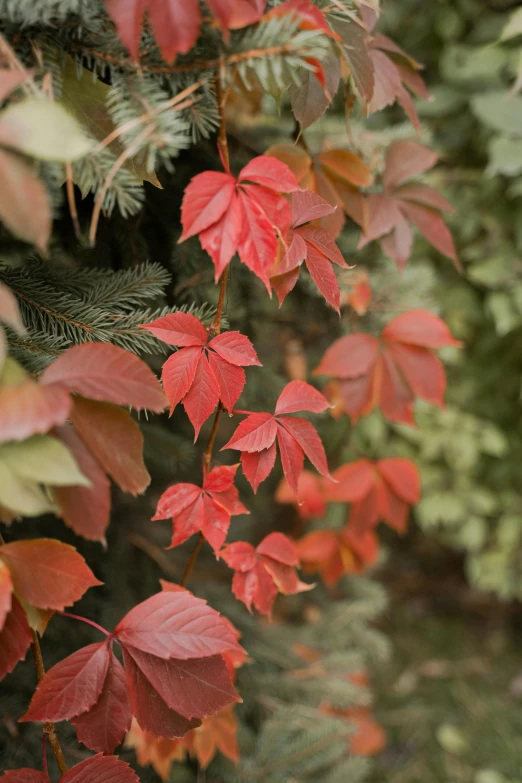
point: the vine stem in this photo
(48, 729)
(84, 620)
(215, 329)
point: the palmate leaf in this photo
(97, 768)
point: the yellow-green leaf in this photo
(44, 459)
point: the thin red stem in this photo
(85, 620)
(49, 730)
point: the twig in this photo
(71, 199)
(48, 729)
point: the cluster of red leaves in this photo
(312, 491)
(243, 215)
(262, 572)
(388, 213)
(333, 553)
(37, 577)
(201, 373)
(359, 293)
(204, 509)
(216, 733)
(176, 23)
(103, 437)
(108, 769)
(256, 437)
(174, 674)
(390, 371)
(312, 245)
(335, 175)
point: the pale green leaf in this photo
(44, 130)
(44, 459)
(505, 156)
(500, 111)
(513, 26)
(22, 496)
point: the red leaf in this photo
(178, 374)
(347, 166)
(6, 591)
(255, 433)
(310, 501)
(258, 465)
(203, 396)
(395, 395)
(283, 284)
(307, 206)
(24, 202)
(405, 160)
(100, 769)
(422, 370)
(255, 587)
(176, 625)
(306, 436)
(104, 726)
(241, 556)
(230, 380)
(382, 216)
(349, 356)
(403, 477)
(355, 480)
(71, 687)
(273, 206)
(324, 277)
(15, 638)
(221, 240)
(292, 457)
(47, 573)
(106, 372)
(271, 173)
(235, 348)
(149, 708)
(220, 479)
(115, 439)
(25, 776)
(323, 242)
(205, 201)
(300, 396)
(310, 17)
(419, 327)
(257, 245)
(423, 194)
(192, 688)
(28, 408)
(85, 510)
(433, 228)
(279, 547)
(216, 523)
(398, 244)
(180, 329)
(188, 522)
(176, 499)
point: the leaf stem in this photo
(84, 620)
(48, 729)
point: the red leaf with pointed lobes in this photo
(285, 577)
(25, 775)
(255, 433)
(355, 480)
(149, 709)
(257, 244)
(241, 556)
(405, 160)
(85, 510)
(230, 380)
(220, 479)
(179, 329)
(284, 284)
(47, 573)
(398, 244)
(305, 434)
(300, 396)
(292, 457)
(258, 465)
(403, 476)
(104, 726)
(324, 277)
(310, 17)
(203, 396)
(221, 240)
(71, 687)
(423, 194)
(192, 688)
(275, 208)
(115, 439)
(432, 227)
(178, 374)
(279, 547)
(100, 769)
(235, 348)
(176, 499)
(271, 173)
(349, 356)
(420, 327)
(105, 372)
(15, 638)
(422, 370)
(322, 241)
(176, 625)
(6, 591)
(310, 500)
(307, 206)
(188, 522)
(205, 201)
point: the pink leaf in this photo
(230, 379)
(176, 499)
(106, 372)
(307, 206)
(241, 556)
(280, 548)
(300, 396)
(405, 160)
(258, 465)
(349, 357)
(323, 242)
(432, 227)
(419, 327)
(271, 173)
(255, 433)
(28, 408)
(258, 245)
(178, 374)
(222, 238)
(324, 277)
(25, 776)
(205, 201)
(220, 479)
(292, 457)
(306, 436)
(235, 348)
(202, 397)
(179, 329)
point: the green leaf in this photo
(500, 111)
(505, 156)
(513, 26)
(44, 130)
(22, 496)
(451, 739)
(43, 459)
(503, 311)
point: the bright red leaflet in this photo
(256, 437)
(176, 23)
(95, 769)
(173, 675)
(310, 500)
(311, 245)
(390, 371)
(203, 371)
(382, 490)
(333, 553)
(204, 509)
(389, 214)
(309, 15)
(232, 215)
(262, 572)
